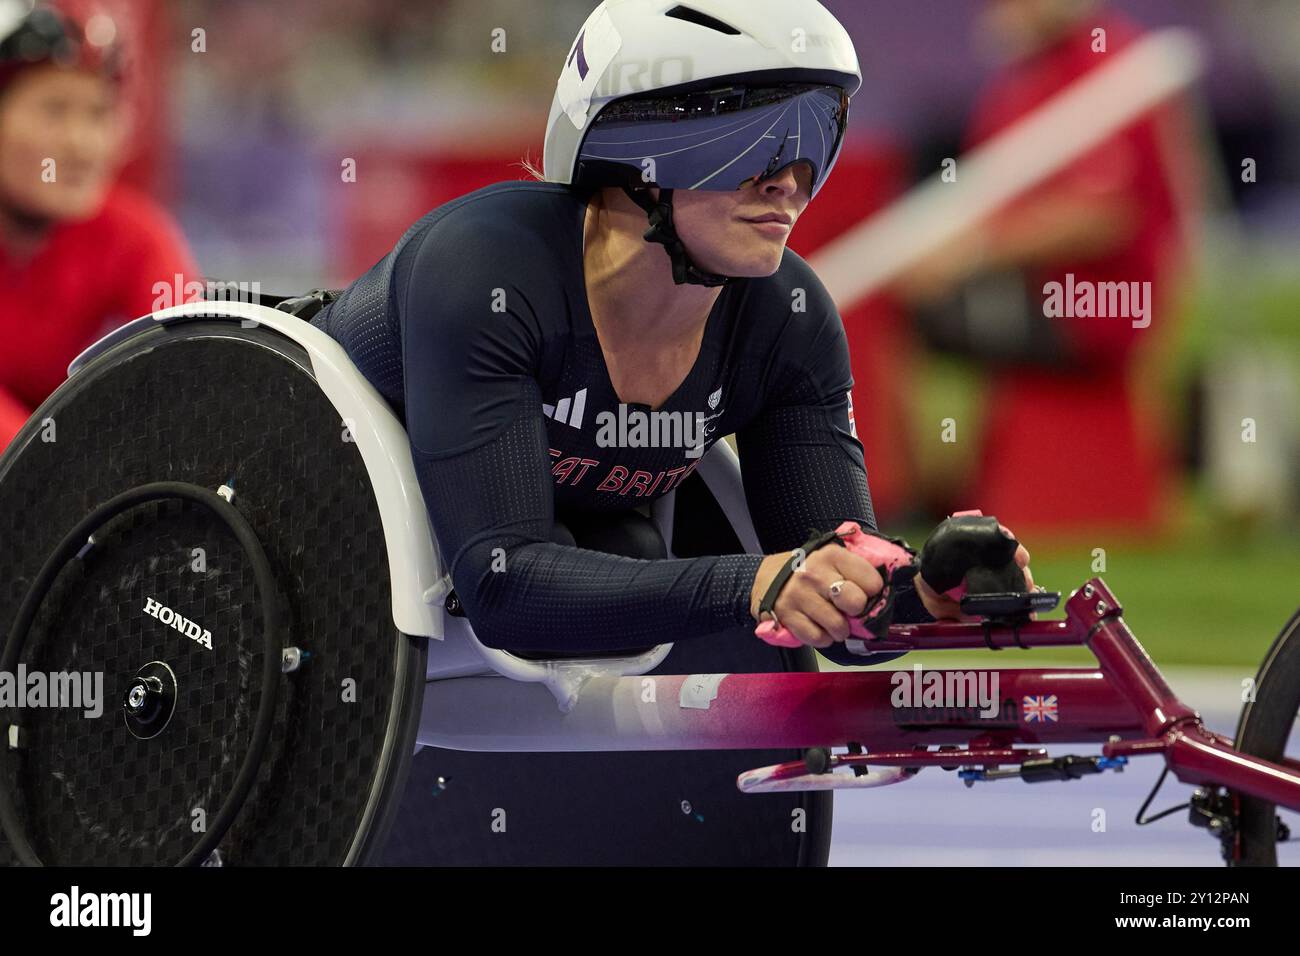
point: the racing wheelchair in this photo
(219, 515)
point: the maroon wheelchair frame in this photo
(1124, 703)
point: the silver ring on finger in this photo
(836, 588)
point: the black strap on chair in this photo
(306, 306)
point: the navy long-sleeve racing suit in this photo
(476, 329)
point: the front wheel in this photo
(1267, 729)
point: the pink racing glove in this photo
(894, 561)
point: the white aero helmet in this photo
(702, 94)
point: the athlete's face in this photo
(743, 233)
(59, 138)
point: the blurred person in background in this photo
(1068, 444)
(79, 254)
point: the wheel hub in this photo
(150, 700)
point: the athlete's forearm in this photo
(542, 596)
(492, 514)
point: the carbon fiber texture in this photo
(207, 404)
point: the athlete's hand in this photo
(944, 608)
(806, 606)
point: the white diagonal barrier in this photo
(869, 256)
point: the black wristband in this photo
(819, 539)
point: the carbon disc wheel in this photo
(168, 613)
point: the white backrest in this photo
(420, 582)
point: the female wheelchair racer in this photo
(472, 369)
(505, 326)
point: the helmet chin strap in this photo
(664, 232)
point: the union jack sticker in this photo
(1040, 709)
(853, 425)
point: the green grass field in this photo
(1217, 594)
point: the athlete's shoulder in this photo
(794, 329)
(524, 209)
(510, 248)
(795, 273)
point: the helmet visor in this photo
(718, 139)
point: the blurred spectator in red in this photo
(79, 254)
(1066, 444)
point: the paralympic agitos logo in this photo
(189, 628)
